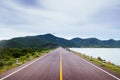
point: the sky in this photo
(64, 18)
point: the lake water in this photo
(108, 54)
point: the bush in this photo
(23, 58)
(9, 63)
(100, 59)
(1, 63)
(36, 54)
(8, 56)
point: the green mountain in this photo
(94, 42)
(49, 40)
(89, 42)
(2, 43)
(39, 41)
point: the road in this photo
(58, 65)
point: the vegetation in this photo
(39, 41)
(9, 56)
(99, 61)
(96, 43)
(30, 47)
(49, 40)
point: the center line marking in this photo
(61, 76)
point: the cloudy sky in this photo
(64, 18)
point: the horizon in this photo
(57, 36)
(84, 19)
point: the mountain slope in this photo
(57, 40)
(89, 42)
(49, 40)
(94, 42)
(2, 43)
(39, 41)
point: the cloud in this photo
(78, 9)
(8, 33)
(28, 3)
(63, 17)
(69, 11)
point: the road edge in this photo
(113, 74)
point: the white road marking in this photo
(22, 68)
(101, 69)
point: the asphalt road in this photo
(58, 65)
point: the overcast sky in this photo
(64, 18)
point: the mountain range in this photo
(49, 40)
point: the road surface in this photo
(58, 65)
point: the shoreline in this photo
(112, 68)
(107, 54)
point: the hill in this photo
(49, 40)
(38, 41)
(94, 42)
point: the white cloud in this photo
(81, 10)
(63, 17)
(8, 33)
(61, 11)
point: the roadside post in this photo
(16, 60)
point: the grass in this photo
(100, 62)
(11, 63)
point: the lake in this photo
(108, 54)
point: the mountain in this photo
(49, 40)
(94, 42)
(57, 40)
(89, 42)
(2, 43)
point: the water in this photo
(108, 54)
